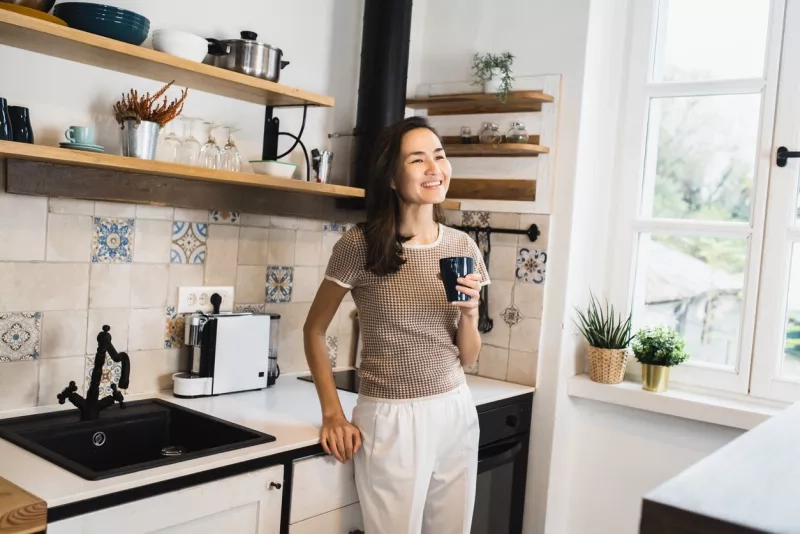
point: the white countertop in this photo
(289, 411)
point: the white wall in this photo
(321, 39)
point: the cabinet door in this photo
(321, 484)
(247, 504)
(345, 520)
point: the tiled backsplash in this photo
(67, 267)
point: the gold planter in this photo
(607, 366)
(655, 377)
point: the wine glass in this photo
(171, 146)
(190, 147)
(230, 159)
(210, 153)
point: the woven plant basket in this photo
(607, 366)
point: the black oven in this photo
(502, 465)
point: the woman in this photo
(414, 434)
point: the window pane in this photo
(694, 285)
(711, 40)
(791, 348)
(701, 154)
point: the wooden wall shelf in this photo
(506, 150)
(28, 33)
(492, 189)
(481, 103)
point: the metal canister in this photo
(322, 162)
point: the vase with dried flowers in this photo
(141, 117)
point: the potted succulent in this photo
(608, 334)
(658, 348)
(493, 71)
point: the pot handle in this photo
(249, 36)
(284, 64)
(217, 48)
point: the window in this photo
(694, 163)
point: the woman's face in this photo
(424, 172)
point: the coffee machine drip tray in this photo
(346, 380)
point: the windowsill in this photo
(705, 407)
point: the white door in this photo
(244, 504)
(347, 520)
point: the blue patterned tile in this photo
(250, 308)
(20, 336)
(112, 371)
(224, 217)
(480, 219)
(332, 343)
(112, 240)
(335, 227)
(176, 327)
(188, 242)
(511, 315)
(531, 265)
(279, 284)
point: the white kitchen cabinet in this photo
(342, 521)
(246, 504)
(320, 484)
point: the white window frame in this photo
(629, 225)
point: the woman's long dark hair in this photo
(384, 242)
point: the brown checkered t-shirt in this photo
(407, 327)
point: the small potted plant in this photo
(494, 72)
(608, 335)
(658, 348)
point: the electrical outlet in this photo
(198, 298)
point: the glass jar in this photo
(517, 133)
(466, 135)
(490, 134)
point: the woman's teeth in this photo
(436, 183)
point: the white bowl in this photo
(180, 44)
(278, 169)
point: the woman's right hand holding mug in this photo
(340, 438)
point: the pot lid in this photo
(249, 38)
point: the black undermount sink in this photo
(145, 434)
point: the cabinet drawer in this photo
(319, 485)
(342, 521)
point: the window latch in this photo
(783, 155)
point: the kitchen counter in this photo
(289, 411)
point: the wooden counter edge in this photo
(21, 512)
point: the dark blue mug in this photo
(452, 269)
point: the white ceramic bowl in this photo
(278, 169)
(180, 44)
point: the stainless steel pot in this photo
(246, 55)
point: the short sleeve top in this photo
(407, 327)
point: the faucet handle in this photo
(69, 390)
(117, 396)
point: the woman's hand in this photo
(340, 438)
(470, 285)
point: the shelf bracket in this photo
(272, 124)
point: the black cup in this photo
(452, 269)
(21, 124)
(5, 122)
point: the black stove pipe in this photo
(385, 42)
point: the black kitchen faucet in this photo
(92, 405)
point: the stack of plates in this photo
(82, 146)
(107, 21)
(35, 13)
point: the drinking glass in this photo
(210, 153)
(230, 159)
(171, 145)
(190, 147)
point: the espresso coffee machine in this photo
(230, 352)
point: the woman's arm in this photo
(338, 436)
(468, 338)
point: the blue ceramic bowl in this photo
(135, 20)
(91, 8)
(108, 22)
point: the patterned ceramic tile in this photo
(511, 315)
(335, 227)
(111, 373)
(176, 325)
(333, 349)
(279, 284)
(531, 265)
(250, 308)
(112, 241)
(226, 217)
(188, 242)
(20, 336)
(481, 219)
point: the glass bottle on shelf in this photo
(466, 135)
(490, 134)
(517, 133)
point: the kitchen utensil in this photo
(139, 140)
(106, 21)
(43, 6)
(6, 133)
(31, 12)
(273, 369)
(80, 134)
(277, 169)
(20, 124)
(322, 162)
(451, 269)
(180, 44)
(248, 56)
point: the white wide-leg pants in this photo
(417, 468)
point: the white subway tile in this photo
(69, 238)
(223, 249)
(305, 285)
(63, 333)
(19, 384)
(253, 246)
(147, 329)
(182, 275)
(522, 367)
(254, 219)
(308, 248)
(23, 228)
(153, 241)
(149, 285)
(110, 286)
(190, 215)
(44, 286)
(117, 319)
(163, 213)
(115, 209)
(56, 374)
(493, 362)
(250, 284)
(69, 206)
(282, 245)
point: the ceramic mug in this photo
(451, 270)
(81, 135)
